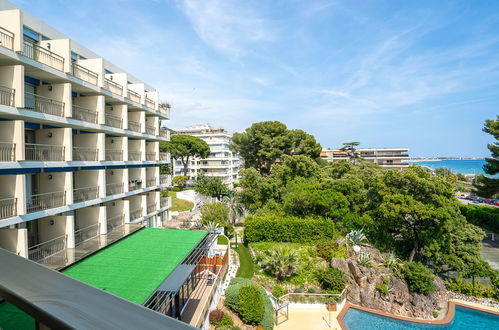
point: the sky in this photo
(416, 74)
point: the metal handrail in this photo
(134, 155)
(151, 130)
(150, 103)
(6, 38)
(85, 154)
(85, 194)
(84, 114)
(87, 233)
(133, 96)
(115, 222)
(163, 179)
(151, 182)
(7, 96)
(113, 87)
(134, 126)
(114, 189)
(114, 121)
(46, 249)
(114, 155)
(44, 152)
(163, 156)
(43, 55)
(7, 151)
(84, 74)
(163, 133)
(136, 213)
(164, 201)
(43, 104)
(151, 156)
(8, 207)
(45, 201)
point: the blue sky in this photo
(416, 74)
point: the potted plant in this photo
(331, 303)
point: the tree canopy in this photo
(183, 147)
(489, 186)
(211, 186)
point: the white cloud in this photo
(261, 81)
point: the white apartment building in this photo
(79, 146)
(387, 158)
(221, 162)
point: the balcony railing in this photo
(164, 202)
(151, 182)
(136, 213)
(43, 55)
(84, 234)
(114, 121)
(85, 74)
(163, 133)
(134, 185)
(7, 152)
(152, 208)
(133, 96)
(114, 155)
(114, 189)
(85, 154)
(85, 194)
(83, 114)
(151, 130)
(8, 207)
(7, 96)
(134, 126)
(150, 104)
(163, 156)
(115, 222)
(163, 179)
(44, 152)
(43, 104)
(6, 38)
(45, 201)
(151, 156)
(134, 155)
(47, 249)
(113, 87)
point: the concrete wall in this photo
(11, 20)
(139, 117)
(56, 181)
(153, 96)
(15, 240)
(59, 92)
(119, 78)
(119, 110)
(118, 207)
(96, 65)
(86, 178)
(153, 147)
(13, 77)
(61, 47)
(96, 103)
(140, 89)
(12, 131)
(60, 137)
(118, 143)
(52, 227)
(138, 146)
(13, 186)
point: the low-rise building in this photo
(385, 157)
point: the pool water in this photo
(464, 318)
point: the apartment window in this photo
(30, 34)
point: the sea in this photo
(464, 166)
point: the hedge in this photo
(482, 216)
(419, 278)
(275, 228)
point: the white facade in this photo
(386, 157)
(79, 143)
(221, 162)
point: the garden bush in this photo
(278, 291)
(276, 228)
(331, 279)
(250, 304)
(482, 216)
(419, 278)
(226, 321)
(478, 290)
(328, 249)
(216, 316)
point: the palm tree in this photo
(236, 210)
(211, 226)
(280, 261)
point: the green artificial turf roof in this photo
(134, 267)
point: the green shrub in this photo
(226, 321)
(331, 279)
(231, 295)
(329, 249)
(288, 229)
(311, 290)
(435, 314)
(495, 286)
(382, 288)
(216, 316)
(482, 216)
(278, 291)
(419, 278)
(250, 304)
(478, 290)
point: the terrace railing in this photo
(136, 213)
(43, 104)
(134, 126)
(165, 202)
(45, 201)
(151, 156)
(43, 55)
(6, 38)
(44, 152)
(83, 114)
(163, 179)
(113, 87)
(84, 74)
(135, 97)
(7, 96)
(163, 156)
(150, 103)
(134, 155)
(8, 207)
(85, 154)
(7, 152)
(151, 182)
(114, 121)
(152, 207)
(115, 222)
(85, 194)
(114, 155)
(163, 133)
(84, 234)
(151, 130)
(114, 189)
(47, 249)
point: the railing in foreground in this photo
(114, 189)
(114, 155)
(135, 214)
(7, 96)
(43, 55)
(311, 298)
(84, 234)
(134, 155)
(43, 104)
(43, 152)
(85, 74)
(133, 96)
(114, 121)
(134, 126)
(45, 201)
(8, 207)
(85, 194)
(150, 104)
(83, 114)
(163, 179)
(6, 38)
(151, 156)
(7, 152)
(85, 154)
(151, 130)
(151, 182)
(163, 156)
(115, 222)
(47, 249)
(113, 87)
(163, 133)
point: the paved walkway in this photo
(233, 267)
(308, 317)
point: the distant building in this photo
(388, 158)
(221, 162)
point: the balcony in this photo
(134, 155)
(44, 152)
(136, 213)
(114, 121)
(114, 189)
(85, 154)
(7, 96)
(134, 126)
(84, 74)
(47, 249)
(163, 156)
(150, 103)
(8, 207)
(163, 179)
(151, 156)
(165, 202)
(163, 133)
(84, 234)
(90, 116)
(43, 104)
(45, 201)
(7, 152)
(115, 222)
(43, 55)
(134, 185)
(6, 38)
(152, 208)
(85, 194)
(135, 97)
(151, 130)
(151, 182)
(114, 155)
(113, 87)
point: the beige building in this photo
(221, 162)
(79, 145)
(387, 158)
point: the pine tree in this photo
(489, 186)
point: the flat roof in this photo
(134, 267)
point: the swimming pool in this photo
(464, 318)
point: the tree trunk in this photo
(413, 251)
(186, 163)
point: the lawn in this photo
(178, 205)
(246, 266)
(222, 240)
